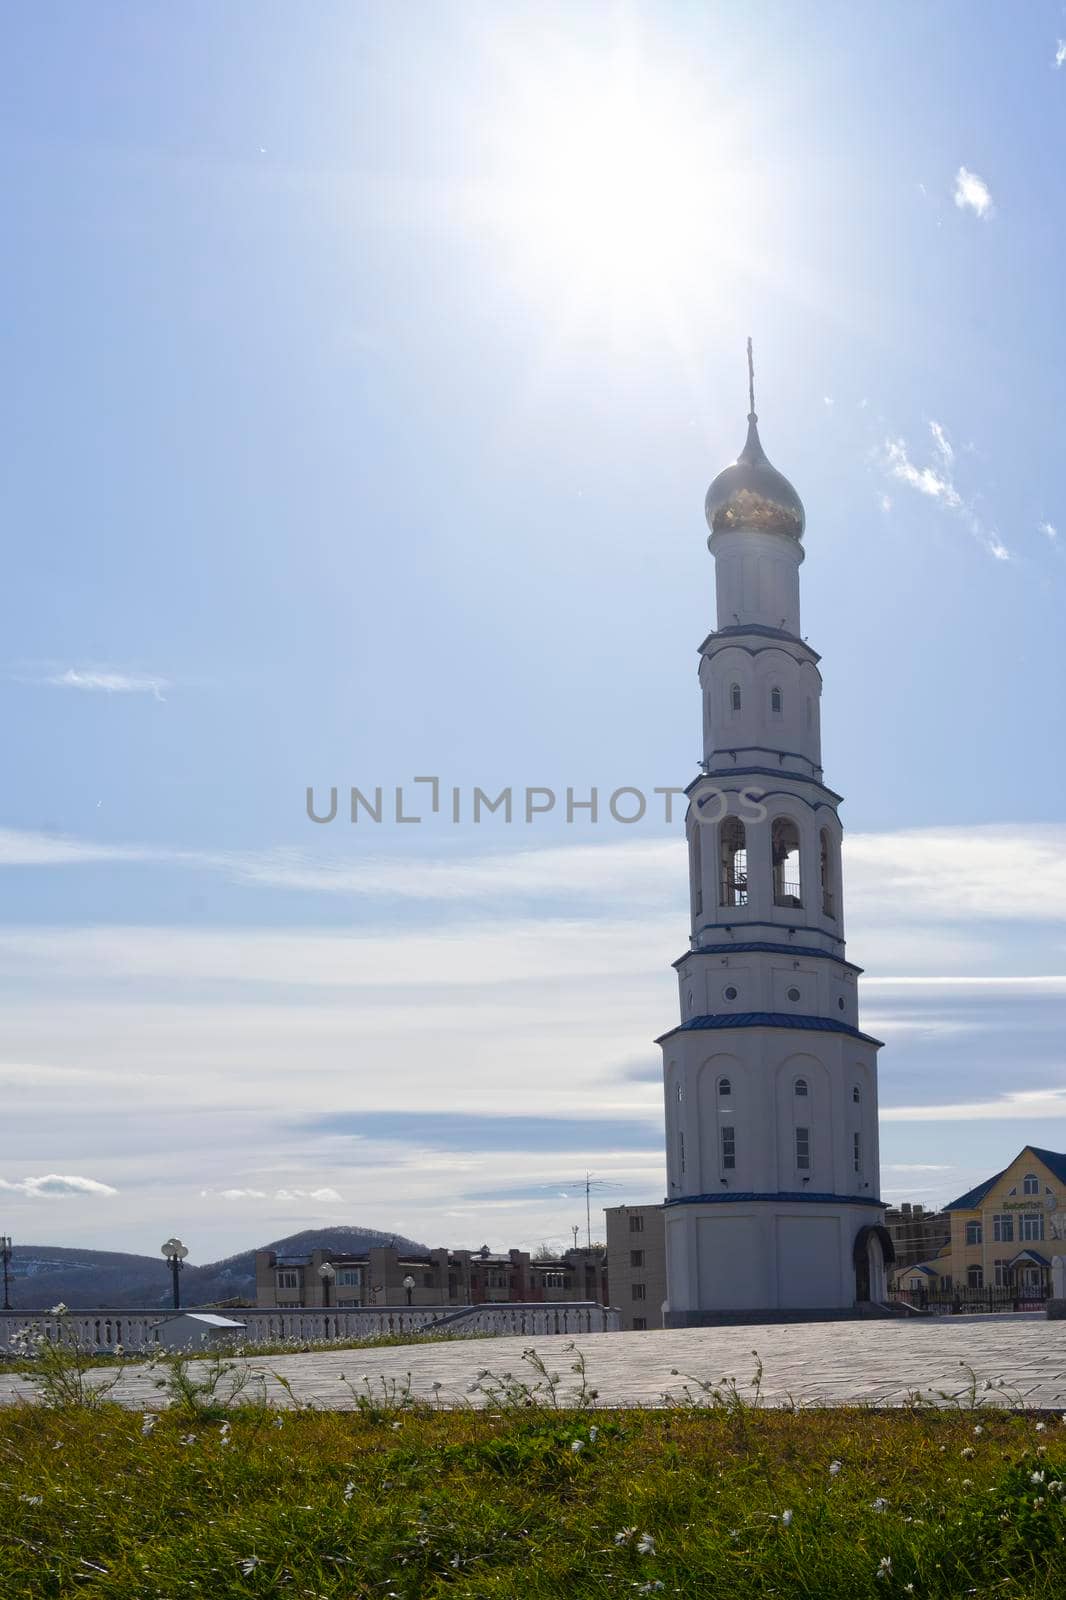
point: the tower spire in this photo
(751, 384)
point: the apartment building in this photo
(916, 1233)
(1005, 1233)
(387, 1277)
(636, 1264)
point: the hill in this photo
(42, 1275)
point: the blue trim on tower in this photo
(706, 927)
(738, 630)
(768, 772)
(769, 1019)
(787, 1196)
(751, 946)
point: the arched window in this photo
(800, 1088)
(775, 701)
(1031, 1184)
(734, 697)
(725, 1088)
(826, 875)
(856, 1094)
(733, 853)
(785, 857)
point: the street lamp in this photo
(5, 1253)
(327, 1272)
(408, 1284)
(175, 1253)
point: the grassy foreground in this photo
(531, 1503)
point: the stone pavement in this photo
(827, 1363)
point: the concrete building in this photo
(916, 1233)
(636, 1264)
(441, 1277)
(772, 1206)
(1005, 1233)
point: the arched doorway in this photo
(873, 1254)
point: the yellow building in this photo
(1004, 1234)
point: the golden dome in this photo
(753, 494)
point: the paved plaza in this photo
(831, 1363)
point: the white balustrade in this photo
(134, 1330)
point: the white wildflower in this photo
(1036, 1477)
(978, 1431)
(148, 1422)
(576, 1446)
(967, 1483)
(349, 1490)
(653, 1586)
(1041, 1427)
(248, 1565)
(880, 1504)
(58, 1311)
(786, 1519)
(31, 1499)
(594, 1434)
(187, 1438)
(646, 1545)
(834, 1468)
(968, 1453)
(884, 1567)
(277, 1423)
(624, 1535)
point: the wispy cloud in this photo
(1048, 529)
(324, 1196)
(1060, 54)
(972, 193)
(1025, 1105)
(52, 1185)
(106, 680)
(936, 482)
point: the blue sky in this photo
(365, 372)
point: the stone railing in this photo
(135, 1329)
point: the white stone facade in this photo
(773, 1201)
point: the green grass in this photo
(396, 1501)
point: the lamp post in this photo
(327, 1272)
(175, 1253)
(5, 1253)
(408, 1284)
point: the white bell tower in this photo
(773, 1206)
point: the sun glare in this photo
(620, 186)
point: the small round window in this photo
(730, 993)
(793, 994)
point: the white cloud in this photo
(1030, 1105)
(53, 1184)
(241, 1194)
(1048, 529)
(1060, 53)
(942, 443)
(915, 1166)
(926, 480)
(937, 483)
(1000, 872)
(106, 680)
(972, 193)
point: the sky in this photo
(365, 369)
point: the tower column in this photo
(773, 1206)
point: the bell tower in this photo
(773, 1206)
